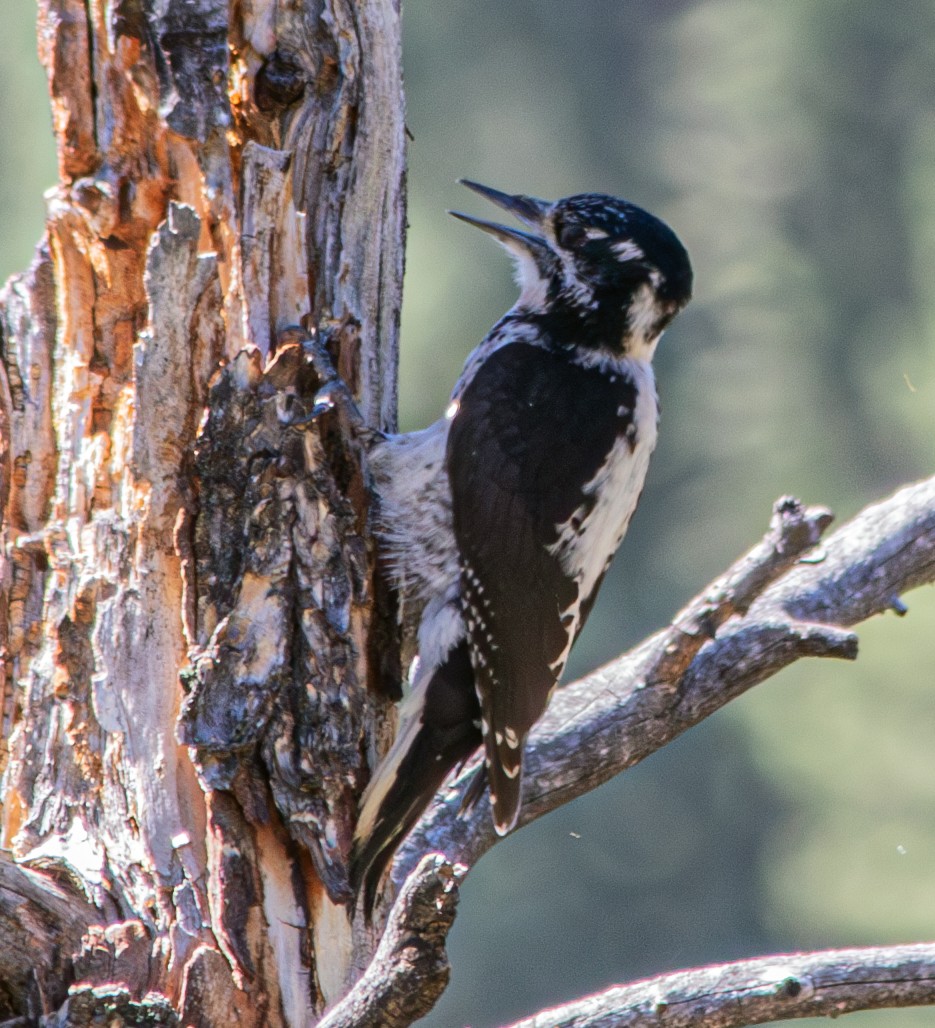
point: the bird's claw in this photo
(323, 402)
(333, 392)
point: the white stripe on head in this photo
(627, 250)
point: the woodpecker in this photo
(501, 519)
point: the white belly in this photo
(414, 521)
(585, 552)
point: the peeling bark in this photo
(189, 585)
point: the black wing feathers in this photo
(532, 430)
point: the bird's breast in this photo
(588, 540)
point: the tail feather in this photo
(441, 728)
(474, 791)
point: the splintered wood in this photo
(188, 583)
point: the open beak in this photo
(509, 237)
(527, 209)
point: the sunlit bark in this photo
(189, 622)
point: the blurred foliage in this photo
(27, 153)
(792, 146)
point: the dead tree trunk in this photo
(190, 614)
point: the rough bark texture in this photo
(190, 619)
(759, 991)
(43, 918)
(410, 968)
(782, 601)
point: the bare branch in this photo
(787, 597)
(759, 991)
(410, 969)
(615, 717)
(42, 922)
(88, 1006)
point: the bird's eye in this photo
(569, 235)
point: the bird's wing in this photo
(531, 431)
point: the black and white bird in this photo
(501, 519)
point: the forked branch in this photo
(793, 595)
(410, 969)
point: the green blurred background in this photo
(792, 146)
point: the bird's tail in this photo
(440, 728)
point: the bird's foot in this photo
(333, 392)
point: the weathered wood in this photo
(42, 921)
(759, 991)
(189, 589)
(196, 644)
(410, 969)
(615, 717)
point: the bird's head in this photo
(594, 266)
